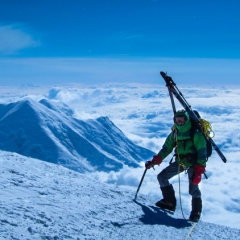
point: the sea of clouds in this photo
(144, 113)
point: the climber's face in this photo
(180, 120)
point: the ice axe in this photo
(140, 183)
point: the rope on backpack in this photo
(207, 128)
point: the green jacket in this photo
(183, 144)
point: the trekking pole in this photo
(173, 90)
(140, 183)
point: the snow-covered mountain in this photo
(40, 200)
(48, 131)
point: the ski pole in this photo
(140, 183)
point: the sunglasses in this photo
(180, 120)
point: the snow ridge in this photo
(40, 200)
(47, 130)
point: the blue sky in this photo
(116, 29)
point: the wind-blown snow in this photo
(40, 200)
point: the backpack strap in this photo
(192, 157)
(192, 133)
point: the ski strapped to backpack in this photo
(198, 123)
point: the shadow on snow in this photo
(154, 215)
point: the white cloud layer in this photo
(14, 38)
(144, 114)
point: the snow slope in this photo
(48, 131)
(40, 200)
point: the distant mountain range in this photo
(47, 130)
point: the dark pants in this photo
(172, 170)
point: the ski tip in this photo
(163, 74)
